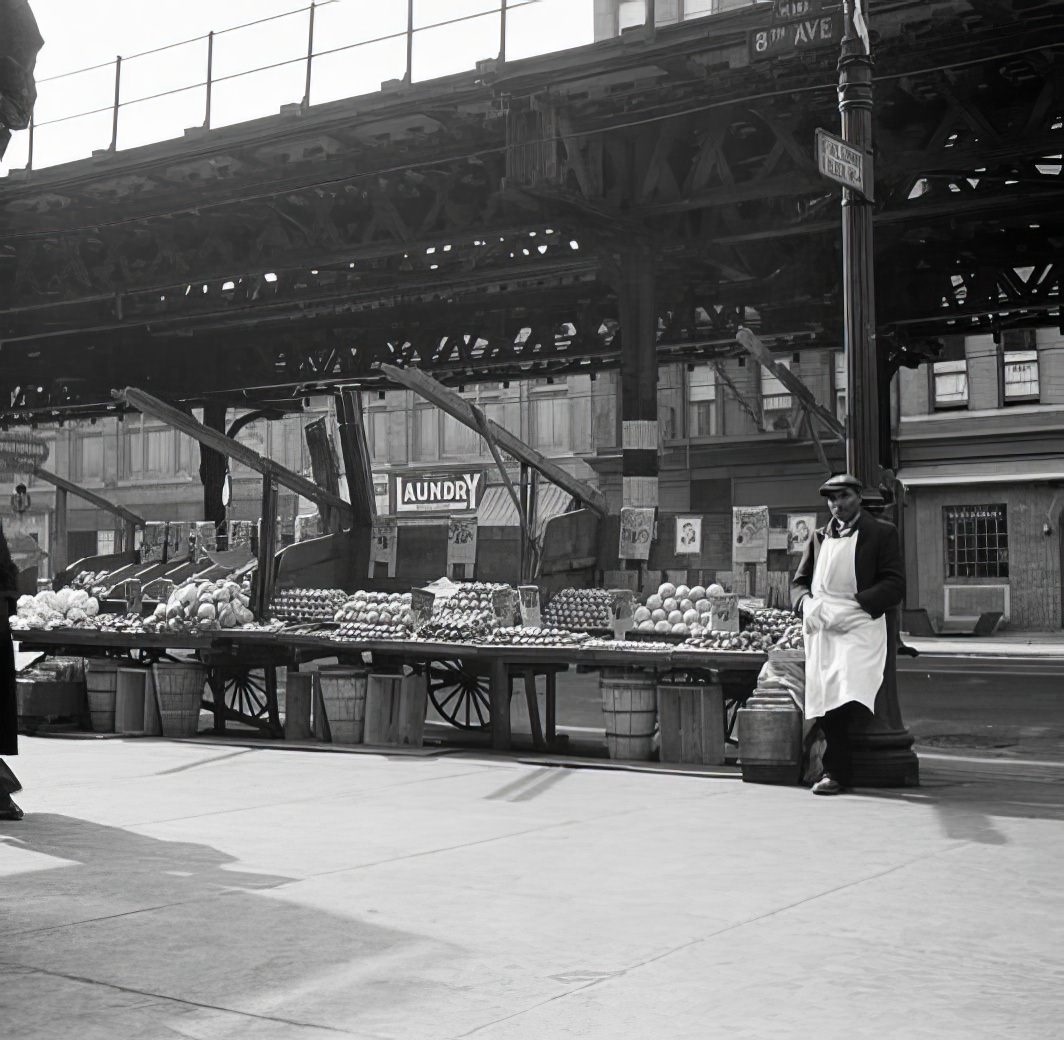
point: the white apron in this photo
(845, 648)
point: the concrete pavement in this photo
(164, 889)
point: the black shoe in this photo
(11, 811)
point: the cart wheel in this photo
(459, 694)
(246, 692)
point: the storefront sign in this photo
(461, 542)
(446, 493)
(384, 539)
(800, 527)
(637, 532)
(749, 534)
(688, 535)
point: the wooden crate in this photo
(395, 710)
(691, 720)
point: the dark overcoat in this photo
(8, 697)
(878, 565)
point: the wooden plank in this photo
(436, 393)
(763, 356)
(90, 496)
(148, 405)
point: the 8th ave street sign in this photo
(780, 38)
(841, 162)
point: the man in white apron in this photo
(850, 575)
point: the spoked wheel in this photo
(245, 692)
(459, 694)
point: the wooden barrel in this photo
(179, 689)
(100, 683)
(770, 739)
(298, 696)
(630, 712)
(343, 697)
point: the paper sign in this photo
(724, 612)
(503, 604)
(800, 527)
(461, 541)
(637, 532)
(528, 597)
(421, 604)
(384, 539)
(749, 534)
(688, 534)
(241, 533)
(622, 611)
(308, 525)
(154, 542)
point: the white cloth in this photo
(845, 648)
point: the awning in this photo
(1004, 471)
(497, 508)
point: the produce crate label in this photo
(529, 600)
(421, 604)
(636, 533)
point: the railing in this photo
(324, 73)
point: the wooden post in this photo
(60, 547)
(354, 448)
(326, 469)
(267, 543)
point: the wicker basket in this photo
(179, 689)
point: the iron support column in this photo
(882, 746)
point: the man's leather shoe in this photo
(827, 785)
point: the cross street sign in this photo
(841, 162)
(786, 38)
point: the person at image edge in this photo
(9, 784)
(850, 575)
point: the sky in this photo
(80, 34)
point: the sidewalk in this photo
(164, 889)
(1001, 644)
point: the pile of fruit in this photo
(458, 626)
(473, 596)
(205, 606)
(360, 631)
(677, 609)
(67, 608)
(518, 636)
(95, 583)
(297, 605)
(639, 645)
(735, 641)
(379, 610)
(579, 609)
(771, 622)
(791, 639)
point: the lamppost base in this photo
(883, 758)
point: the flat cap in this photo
(840, 481)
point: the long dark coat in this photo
(8, 698)
(878, 564)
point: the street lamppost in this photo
(882, 746)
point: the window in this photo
(426, 437)
(458, 440)
(631, 12)
(702, 401)
(550, 421)
(977, 541)
(841, 385)
(159, 452)
(377, 421)
(89, 458)
(670, 402)
(1020, 375)
(105, 542)
(774, 395)
(949, 384)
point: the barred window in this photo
(977, 541)
(1021, 375)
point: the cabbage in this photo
(92, 607)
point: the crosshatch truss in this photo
(473, 226)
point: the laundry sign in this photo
(450, 492)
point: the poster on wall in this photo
(688, 535)
(637, 532)
(800, 527)
(383, 545)
(749, 534)
(462, 543)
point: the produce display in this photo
(206, 606)
(772, 622)
(515, 635)
(647, 646)
(375, 608)
(791, 639)
(301, 605)
(677, 610)
(458, 626)
(95, 583)
(740, 641)
(578, 609)
(67, 608)
(362, 631)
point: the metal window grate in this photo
(977, 541)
